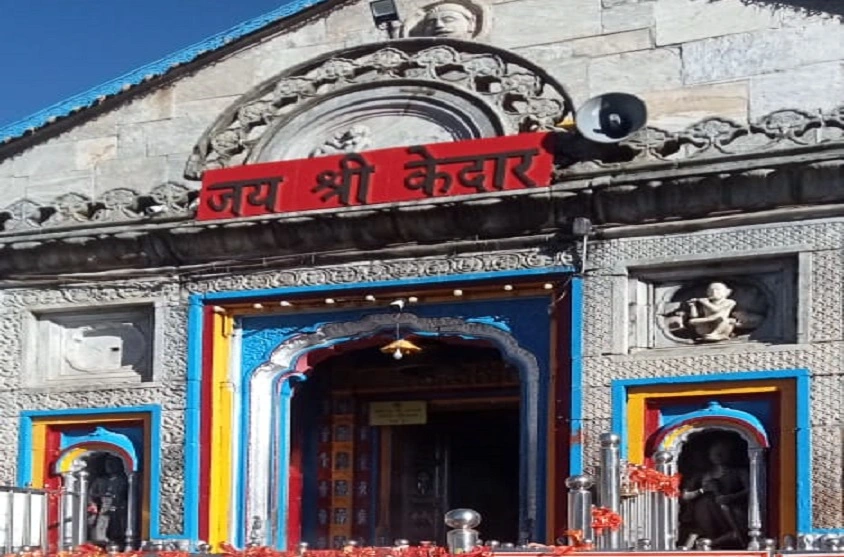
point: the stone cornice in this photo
(122, 231)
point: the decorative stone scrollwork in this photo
(500, 92)
(168, 200)
(21, 215)
(714, 137)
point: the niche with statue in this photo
(715, 305)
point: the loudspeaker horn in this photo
(611, 118)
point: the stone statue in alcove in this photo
(714, 497)
(108, 498)
(717, 317)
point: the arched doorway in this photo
(399, 442)
(720, 455)
(273, 506)
(100, 502)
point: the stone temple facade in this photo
(705, 298)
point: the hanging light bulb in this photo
(397, 355)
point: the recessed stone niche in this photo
(714, 304)
(87, 347)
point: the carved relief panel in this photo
(90, 346)
(714, 304)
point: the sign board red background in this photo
(382, 176)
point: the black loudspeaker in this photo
(611, 118)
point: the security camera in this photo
(397, 305)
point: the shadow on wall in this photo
(831, 8)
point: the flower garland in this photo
(605, 519)
(228, 550)
(648, 479)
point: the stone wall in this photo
(166, 388)
(819, 348)
(688, 58)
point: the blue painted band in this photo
(158, 68)
(193, 409)
(576, 412)
(25, 450)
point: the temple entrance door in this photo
(463, 458)
(354, 477)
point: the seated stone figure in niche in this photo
(712, 317)
(714, 498)
(108, 498)
(354, 140)
(715, 318)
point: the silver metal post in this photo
(664, 536)
(609, 487)
(81, 507)
(754, 507)
(130, 512)
(26, 513)
(580, 505)
(66, 510)
(8, 543)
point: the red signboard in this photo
(384, 176)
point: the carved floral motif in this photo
(506, 83)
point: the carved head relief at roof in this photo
(404, 92)
(450, 19)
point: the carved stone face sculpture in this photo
(450, 20)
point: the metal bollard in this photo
(609, 486)
(580, 505)
(463, 538)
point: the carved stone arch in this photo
(269, 381)
(480, 90)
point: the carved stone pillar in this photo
(82, 507)
(67, 511)
(130, 511)
(755, 498)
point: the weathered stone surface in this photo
(636, 72)
(815, 87)
(50, 157)
(131, 142)
(571, 73)
(13, 188)
(91, 152)
(282, 59)
(758, 53)
(533, 22)
(231, 76)
(156, 105)
(45, 188)
(627, 16)
(591, 47)
(680, 21)
(168, 137)
(676, 109)
(140, 174)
